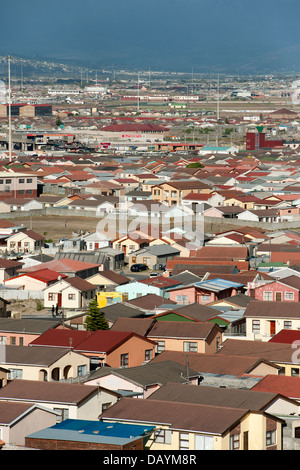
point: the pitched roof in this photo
(27, 325)
(179, 329)
(216, 396)
(287, 386)
(149, 301)
(116, 278)
(39, 356)
(187, 416)
(236, 365)
(84, 341)
(40, 391)
(61, 265)
(272, 309)
(141, 326)
(150, 373)
(273, 352)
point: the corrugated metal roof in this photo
(93, 431)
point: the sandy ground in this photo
(27, 308)
(55, 227)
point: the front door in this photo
(59, 299)
(278, 296)
(245, 439)
(272, 327)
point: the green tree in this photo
(95, 319)
(195, 165)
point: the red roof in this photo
(285, 385)
(62, 265)
(286, 336)
(45, 275)
(85, 341)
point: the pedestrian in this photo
(52, 310)
(56, 309)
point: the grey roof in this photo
(87, 257)
(121, 310)
(149, 374)
(27, 325)
(186, 277)
(159, 250)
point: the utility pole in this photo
(9, 111)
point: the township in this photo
(191, 253)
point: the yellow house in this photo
(193, 426)
(172, 192)
(104, 299)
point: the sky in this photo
(178, 35)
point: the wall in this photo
(135, 348)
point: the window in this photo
(105, 406)
(295, 372)
(161, 345)
(81, 371)
(268, 296)
(189, 346)
(287, 325)
(21, 180)
(205, 298)
(270, 438)
(204, 443)
(182, 299)
(1, 181)
(13, 340)
(235, 442)
(63, 414)
(255, 326)
(124, 360)
(21, 341)
(29, 180)
(29, 191)
(184, 442)
(15, 374)
(148, 354)
(163, 436)
(281, 371)
(71, 296)
(8, 181)
(21, 191)
(51, 296)
(289, 295)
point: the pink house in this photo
(205, 291)
(283, 290)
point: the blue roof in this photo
(217, 285)
(93, 431)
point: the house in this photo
(95, 240)
(69, 401)
(130, 243)
(73, 293)
(156, 285)
(173, 192)
(189, 313)
(67, 266)
(43, 363)
(140, 326)
(143, 380)
(102, 347)
(283, 290)
(8, 269)
(153, 256)
(37, 280)
(230, 371)
(186, 336)
(25, 241)
(272, 403)
(148, 302)
(280, 354)
(108, 280)
(17, 419)
(205, 291)
(21, 331)
(264, 319)
(189, 426)
(81, 434)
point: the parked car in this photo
(138, 267)
(154, 275)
